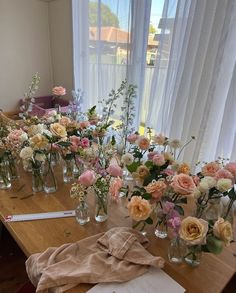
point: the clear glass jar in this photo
(50, 183)
(13, 168)
(228, 211)
(177, 250)
(213, 210)
(161, 230)
(139, 226)
(193, 255)
(5, 180)
(101, 207)
(82, 213)
(37, 180)
(68, 170)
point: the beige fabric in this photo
(115, 256)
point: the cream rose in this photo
(224, 184)
(193, 230)
(211, 182)
(26, 153)
(223, 230)
(39, 141)
(127, 159)
(203, 186)
(139, 208)
(58, 130)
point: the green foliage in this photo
(214, 245)
(108, 18)
(133, 167)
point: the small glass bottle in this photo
(50, 183)
(82, 213)
(213, 210)
(68, 170)
(161, 229)
(5, 180)
(37, 180)
(101, 206)
(176, 250)
(193, 255)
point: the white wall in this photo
(24, 49)
(60, 24)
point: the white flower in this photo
(47, 132)
(210, 181)
(40, 157)
(196, 193)
(224, 184)
(203, 186)
(175, 143)
(127, 159)
(26, 153)
(23, 137)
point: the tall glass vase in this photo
(37, 179)
(101, 207)
(5, 180)
(50, 183)
(13, 168)
(68, 170)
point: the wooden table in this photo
(211, 276)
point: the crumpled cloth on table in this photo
(117, 255)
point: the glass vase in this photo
(228, 211)
(213, 210)
(37, 179)
(50, 183)
(176, 250)
(13, 168)
(161, 230)
(5, 180)
(101, 205)
(139, 226)
(54, 158)
(68, 170)
(193, 255)
(78, 168)
(82, 213)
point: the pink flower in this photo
(175, 224)
(84, 124)
(158, 160)
(183, 184)
(151, 155)
(231, 167)
(157, 189)
(84, 142)
(223, 173)
(196, 180)
(64, 121)
(168, 207)
(210, 169)
(87, 178)
(75, 140)
(59, 91)
(143, 143)
(159, 139)
(114, 170)
(115, 187)
(132, 138)
(168, 172)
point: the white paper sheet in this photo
(155, 280)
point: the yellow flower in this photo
(223, 230)
(184, 168)
(193, 230)
(139, 208)
(58, 130)
(38, 141)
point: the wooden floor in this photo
(12, 264)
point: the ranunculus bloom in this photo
(64, 121)
(183, 184)
(84, 142)
(143, 143)
(139, 208)
(231, 167)
(58, 130)
(223, 173)
(115, 170)
(159, 139)
(184, 168)
(223, 230)
(127, 159)
(156, 188)
(59, 91)
(115, 187)
(210, 169)
(158, 160)
(193, 230)
(224, 184)
(132, 138)
(39, 141)
(87, 178)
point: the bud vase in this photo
(139, 226)
(37, 180)
(228, 211)
(82, 213)
(213, 210)
(68, 170)
(50, 183)
(5, 181)
(161, 229)
(193, 255)
(13, 168)
(101, 214)
(176, 250)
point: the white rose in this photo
(23, 137)
(203, 186)
(210, 181)
(26, 153)
(127, 159)
(224, 184)
(47, 132)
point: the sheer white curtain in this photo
(197, 97)
(105, 53)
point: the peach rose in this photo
(75, 140)
(87, 178)
(139, 208)
(223, 173)
(193, 230)
(143, 143)
(210, 169)
(183, 184)
(156, 188)
(38, 141)
(142, 172)
(223, 230)
(84, 124)
(115, 170)
(59, 91)
(115, 187)
(64, 121)
(158, 160)
(231, 167)
(58, 130)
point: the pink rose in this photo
(87, 178)
(158, 160)
(64, 121)
(115, 170)
(143, 143)
(183, 184)
(75, 140)
(231, 167)
(59, 91)
(132, 138)
(168, 172)
(196, 180)
(223, 173)
(84, 124)
(151, 155)
(115, 187)
(210, 169)
(84, 142)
